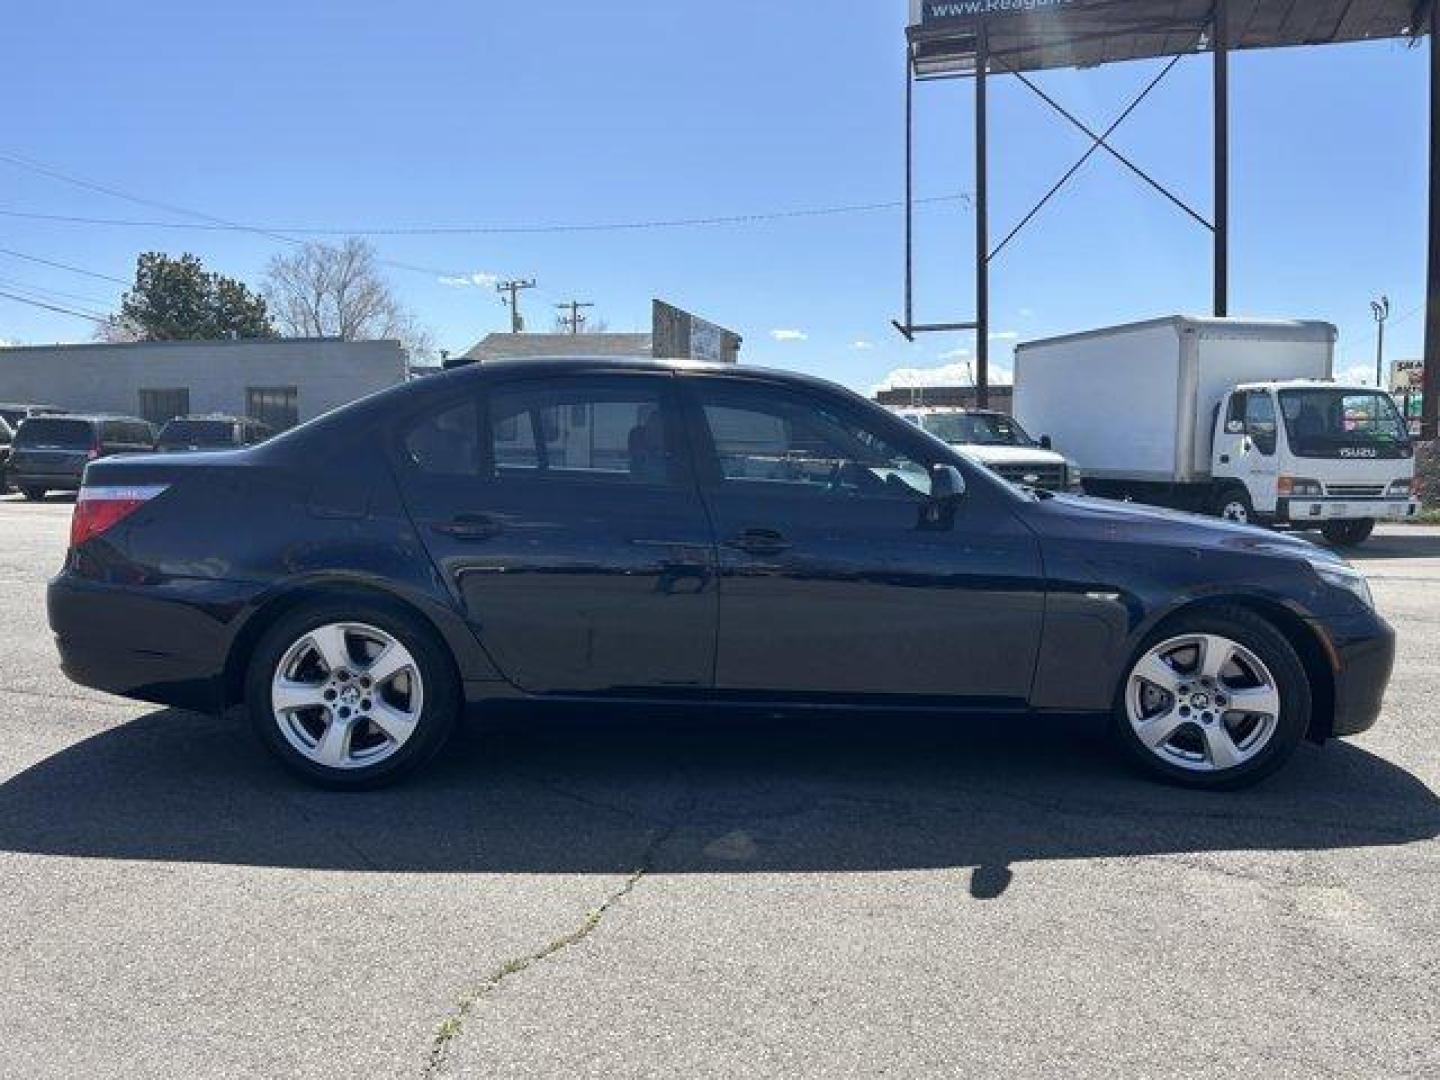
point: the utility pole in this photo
(514, 288)
(1381, 310)
(576, 319)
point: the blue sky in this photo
(369, 114)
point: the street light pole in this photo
(1381, 310)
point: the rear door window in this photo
(599, 429)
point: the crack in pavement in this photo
(450, 1029)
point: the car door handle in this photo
(469, 527)
(759, 542)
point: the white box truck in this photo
(1234, 417)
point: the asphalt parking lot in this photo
(582, 896)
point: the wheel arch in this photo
(1303, 638)
(465, 655)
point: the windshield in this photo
(197, 433)
(41, 432)
(1343, 424)
(976, 429)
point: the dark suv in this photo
(185, 433)
(50, 453)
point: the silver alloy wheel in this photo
(347, 695)
(1203, 702)
(1235, 510)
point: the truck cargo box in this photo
(1137, 402)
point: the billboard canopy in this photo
(1032, 35)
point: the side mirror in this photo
(1046, 443)
(1235, 427)
(947, 485)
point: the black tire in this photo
(1269, 645)
(33, 494)
(438, 714)
(1348, 533)
(1232, 502)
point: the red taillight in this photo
(100, 508)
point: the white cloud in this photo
(478, 279)
(1027, 313)
(862, 345)
(6, 343)
(789, 335)
(944, 375)
(1004, 335)
(955, 354)
(1357, 373)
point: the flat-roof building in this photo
(280, 381)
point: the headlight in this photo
(1301, 489)
(1401, 487)
(1346, 577)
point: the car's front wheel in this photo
(1217, 699)
(352, 694)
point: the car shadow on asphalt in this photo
(675, 795)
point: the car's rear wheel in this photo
(34, 494)
(1348, 533)
(1217, 699)
(352, 694)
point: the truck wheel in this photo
(1348, 533)
(1214, 699)
(1233, 504)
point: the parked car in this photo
(7, 434)
(997, 440)
(13, 412)
(216, 432)
(617, 532)
(50, 453)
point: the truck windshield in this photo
(976, 429)
(1343, 424)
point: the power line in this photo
(62, 266)
(50, 294)
(210, 220)
(53, 307)
(495, 230)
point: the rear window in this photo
(198, 433)
(39, 431)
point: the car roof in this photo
(569, 365)
(89, 417)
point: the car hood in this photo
(1176, 527)
(1009, 455)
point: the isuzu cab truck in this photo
(1234, 417)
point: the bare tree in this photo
(328, 291)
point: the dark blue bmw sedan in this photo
(633, 531)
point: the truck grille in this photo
(1355, 491)
(1048, 477)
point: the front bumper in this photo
(1317, 511)
(1362, 655)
